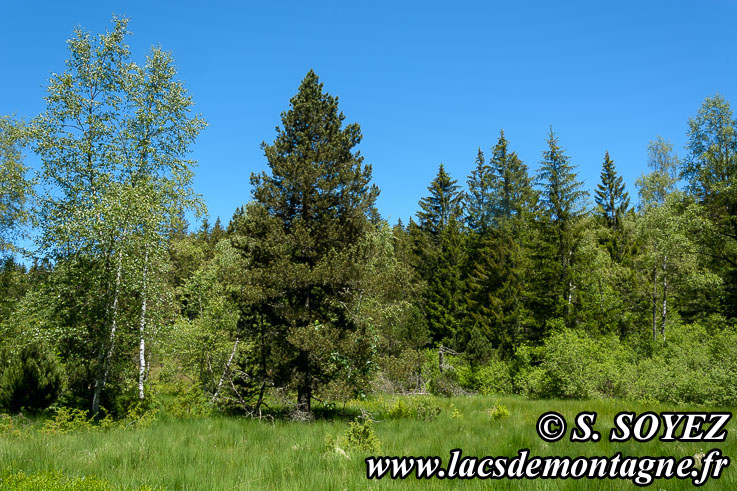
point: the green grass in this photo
(223, 452)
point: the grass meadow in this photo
(227, 452)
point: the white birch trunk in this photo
(101, 378)
(665, 298)
(225, 371)
(142, 333)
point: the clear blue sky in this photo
(428, 82)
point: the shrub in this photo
(361, 436)
(32, 378)
(52, 480)
(15, 426)
(498, 411)
(421, 409)
(401, 374)
(493, 378)
(191, 402)
(66, 420)
(426, 411)
(576, 366)
(141, 415)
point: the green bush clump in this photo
(577, 366)
(415, 408)
(492, 378)
(66, 420)
(191, 402)
(361, 436)
(15, 426)
(51, 480)
(693, 365)
(498, 411)
(30, 378)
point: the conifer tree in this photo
(495, 277)
(478, 203)
(613, 203)
(445, 202)
(561, 197)
(611, 197)
(439, 244)
(511, 187)
(304, 240)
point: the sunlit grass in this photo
(222, 452)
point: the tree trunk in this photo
(655, 303)
(304, 387)
(142, 332)
(225, 371)
(664, 310)
(104, 362)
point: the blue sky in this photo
(428, 82)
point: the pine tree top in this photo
(315, 172)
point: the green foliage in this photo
(494, 377)
(661, 181)
(711, 171)
(498, 411)
(190, 402)
(306, 242)
(53, 480)
(30, 378)
(15, 189)
(578, 366)
(562, 205)
(445, 203)
(444, 384)
(361, 435)
(14, 426)
(419, 408)
(440, 249)
(612, 205)
(694, 366)
(67, 420)
(141, 415)
(114, 142)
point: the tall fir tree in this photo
(478, 203)
(439, 244)
(562, 204)
(612, 204)
(495, 272)
(444, 203)
(511, 186)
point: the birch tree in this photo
(15, 189)
(113, 142)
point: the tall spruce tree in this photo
(478, 203)
(511, 187)
(439, 244)
(495, 277)
(444, 203)
(612, 204)
(303, 237)
(562, 204)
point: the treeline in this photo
(521, 282)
